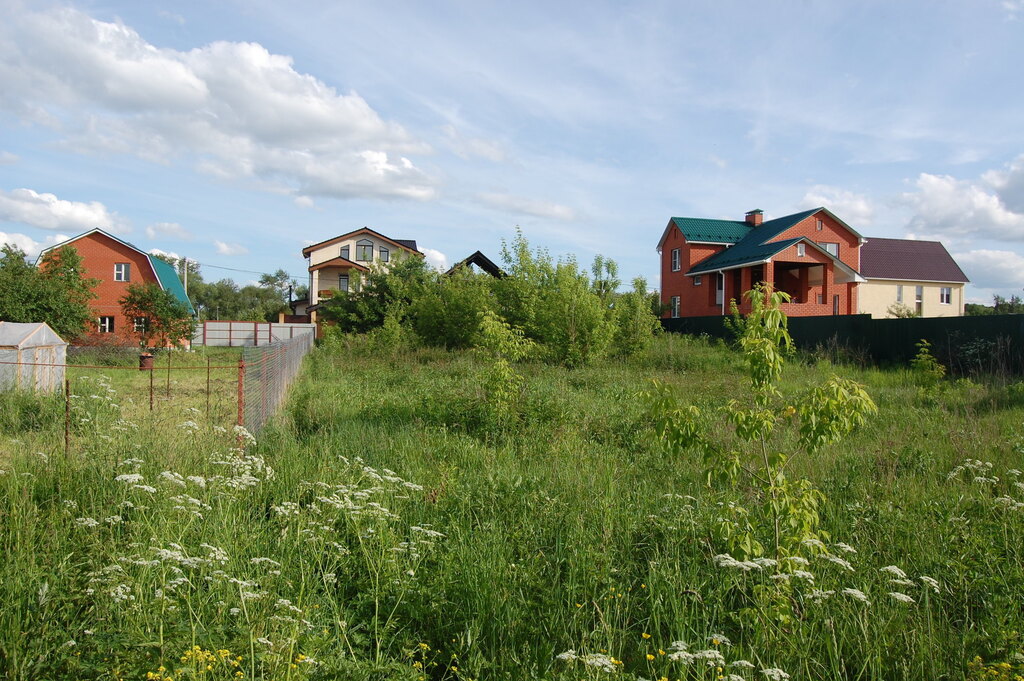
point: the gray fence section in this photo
(993, 343)
(244, 334)
(268, 371)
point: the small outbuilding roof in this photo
(909, 260)
(28, 335)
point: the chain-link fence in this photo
(266, 372)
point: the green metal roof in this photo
(169, 281)
(753, 247)
(744, 253)
(713, 231)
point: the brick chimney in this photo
(755, 217)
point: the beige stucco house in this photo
(335, 264)
(918, 274)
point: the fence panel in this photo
(244, 334)
(993, 343)
(268, 371)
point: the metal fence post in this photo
(67, 416)
(241, 393)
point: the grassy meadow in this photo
(391, 524)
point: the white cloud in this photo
(853, 209)
(1009, 184)
(169, 254)
(46, 211)
(946, 206)
(526, 206)
(30, 246)
(168, 230)
(230, 249)
(235, 109)
(995, 270)
(7, 158)
(437, 259)
(304, 202)
(468, 147)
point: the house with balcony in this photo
(814, 256)
(337, 264)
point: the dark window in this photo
(141, 324)
(364, 250)
(675, 259)
(384, 254)
(343, 282)
(698, 279)
(105, 324)
(946, 295)
(344, 252)
(675, 306)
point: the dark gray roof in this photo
(408, 243)
(910, 260)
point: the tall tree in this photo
(55, 292)
(167, 320)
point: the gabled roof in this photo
(338, 262)
(481, 261)
(27, 335)
(407, 244)
(741, 255)
(165, 274)
(909, 260)
(709, 231)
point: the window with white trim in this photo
(946, 295)
(674, 300)
(831, 248)
(364, 250)
(698, 279)
(820, 225)
(800, 250)
(105, 324)
(919, 294)
(140, 324)
(675, 259)
(899, 293)
(122, 271)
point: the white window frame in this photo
(800, 250)
(946, 295)
(820, 225)
(674, 306)
(105, 324)
(899, 293)
(831, 247)
(675, 260)
(122, 271)
(698, 279)
(140, 324)
(919, 294)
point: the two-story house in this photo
(117, 264)
(334, 264)
(813, 256)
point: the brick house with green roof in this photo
(118, 264)
(813, 256)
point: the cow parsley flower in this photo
(857, 594)
(931, 583)
(901, 597)
(773, 674)
(894, 571)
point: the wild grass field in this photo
(398, 520)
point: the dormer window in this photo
(364, 250)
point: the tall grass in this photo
(385, 526)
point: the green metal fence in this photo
(992, 343)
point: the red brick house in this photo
(117, 264)
(813, 256)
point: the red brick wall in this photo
(694, 301)
(832, 231)
(99, 254)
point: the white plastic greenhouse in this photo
(32, 357)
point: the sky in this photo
(236, 132)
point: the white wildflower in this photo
(198, 480)
(813, 543)
(86, 522)
(818, 595)
(903, 582)
(773, 674)
(741, 664)
(145, 488)
(567, 656)
(931, 583)
(797, 560)
(189, 425)
(173, 478)
(130, 478)
(857, 594)
(901, 597)
(719, 640)
(844, 547)
(845, 564)
(894, 571)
